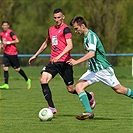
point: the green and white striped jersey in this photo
(93, 43)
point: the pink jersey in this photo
(9, 36)
(58, 37)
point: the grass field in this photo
(19, 107)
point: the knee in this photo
(43, 80)
(70, 88)
(78, 88)
(17, 69)
(5, 68)
(70, 91)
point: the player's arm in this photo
(15, 40)
(40, 50)
(69, 46)
(12, 42)
(91, 48)
(67, 49)
(1, 45)
(86, 57)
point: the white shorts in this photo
(107, 76)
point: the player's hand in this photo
(54, 60)
(31, 59)
(8, 42)
(1, 46)
(72, 62)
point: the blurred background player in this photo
(99, 68)
(10, 58)
(60, 39)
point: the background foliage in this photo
(112, 20)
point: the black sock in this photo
(47, 94)
(6, 75)
(75, 92)
(21, 72)
(88, 94)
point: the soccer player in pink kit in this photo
(60, 38)
(8, 42)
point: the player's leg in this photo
(48, 73)
(46, 77)
(123, 90)
(86, 80)
(16, 65)
(107, 76)
(80, 88)
(6, 64)
(69, 81)
(118, 88)
(22, 73)
(90, 95)
(6, 76)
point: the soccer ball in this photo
(45, 114)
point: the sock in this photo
(6, 76)
(47, 94)
(88, 94)
(84, 100)
(21, 72)
(129, 93)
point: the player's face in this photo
(58, 18)
(78, 29)
(5, 26)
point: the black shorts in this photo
(10, 60)
(63, 68)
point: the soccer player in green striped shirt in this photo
(99, 68)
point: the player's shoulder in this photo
(9, 30)
(65, 25)
(51, 28)
(92, 34)
(66, 28)
(1, 33)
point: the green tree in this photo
(110, 19)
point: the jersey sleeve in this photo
(67, 33)
(91, 46)
(13, 36)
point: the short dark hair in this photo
(5, 21)
(58, 10)
(79, 20)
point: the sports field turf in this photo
(19, 107)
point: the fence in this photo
(78, 55)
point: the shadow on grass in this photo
(103, 118)
(72, 115)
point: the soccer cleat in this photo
(92, 101)
(5, 86)
(85, 115)
(28, 83)
(54, 111)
